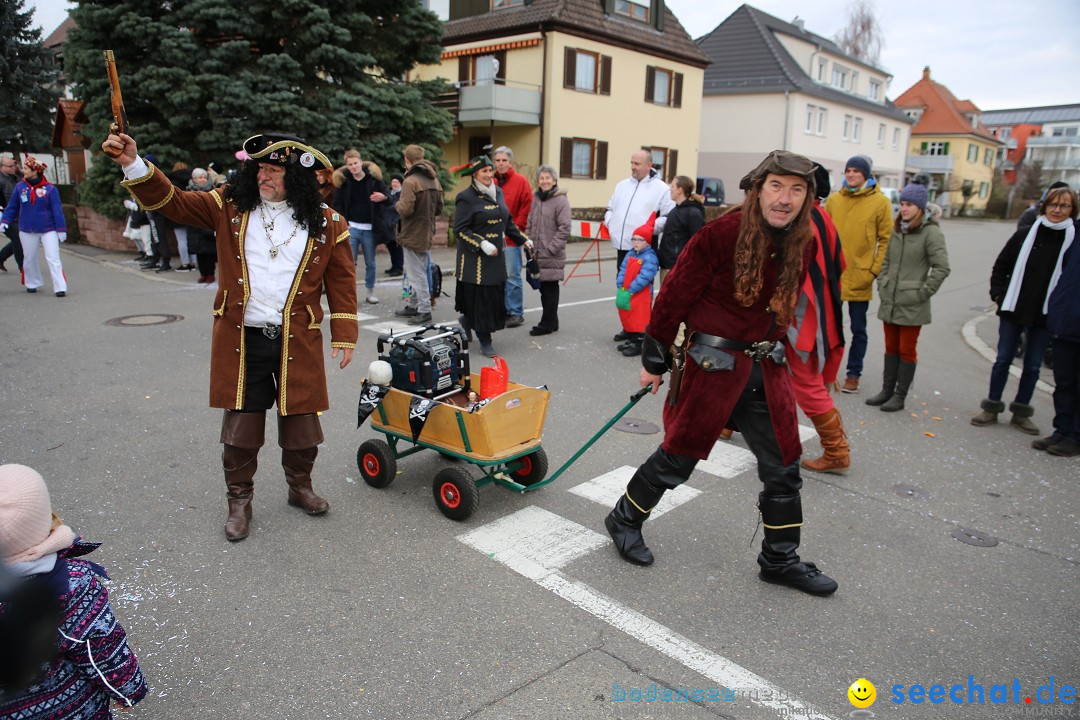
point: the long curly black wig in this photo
(301, 192)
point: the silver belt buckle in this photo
(271, 331)
(760, 350)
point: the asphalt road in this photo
(385, 609)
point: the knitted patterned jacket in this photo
(94, 664)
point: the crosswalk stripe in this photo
(607, 488)
(536, 543)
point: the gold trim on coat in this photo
(283, 381)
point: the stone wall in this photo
(100, 231)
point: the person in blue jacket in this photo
(35, 206)
(634, 284)
(1063, 322)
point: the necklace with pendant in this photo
(268, 228)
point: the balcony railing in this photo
(930, 163)
(512, 103)
(1048, 140)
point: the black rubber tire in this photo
(376, 463)
(535, 470)
(456, 494)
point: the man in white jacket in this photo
(634, 199)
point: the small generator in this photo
(427, 365)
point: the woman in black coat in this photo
(1024, 276)
(685, 219)
(481, 222)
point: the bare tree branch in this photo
(862, 38)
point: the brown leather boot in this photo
(837, 456)
(242, 435)
(299, 437)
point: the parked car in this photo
(894, 197)
(712, 189)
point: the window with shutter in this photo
(605, 75)
(566, 156)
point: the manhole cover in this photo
(137, 320)
(911, 491)
(974, 537)
(638, 427)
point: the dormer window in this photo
(839, 77)
(875, 90)
(635, 9)
(500, 4)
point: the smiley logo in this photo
(862, 693)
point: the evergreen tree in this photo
(198, 77)
(29, 90)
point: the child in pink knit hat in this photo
(93, 665)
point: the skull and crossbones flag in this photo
(370, 397)
(418, 414)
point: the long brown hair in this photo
(754, 248)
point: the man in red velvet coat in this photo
(735, 287)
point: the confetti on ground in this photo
(935, 417)
(929, 434)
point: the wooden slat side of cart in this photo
(508, 426)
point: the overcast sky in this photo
(997, 53)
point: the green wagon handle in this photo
(607, 426)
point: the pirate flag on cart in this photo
(418, 414)
(370, 397)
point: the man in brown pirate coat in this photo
(278, 248)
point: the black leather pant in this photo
(779, 501)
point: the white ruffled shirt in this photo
(269, 278)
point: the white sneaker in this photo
(371, 298)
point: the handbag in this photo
(532, 270)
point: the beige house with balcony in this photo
(952, 145)
(575, 84)
(775, 85)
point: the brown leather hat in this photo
(780, 162)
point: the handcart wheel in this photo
(455, 493)
(377, 463)
(534, 467)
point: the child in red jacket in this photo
(634, 283)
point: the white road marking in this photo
(534, 541)
(388, 326)
(536, 544)
(363, 317)
(806, 433)
(610, 486)
(727, 460)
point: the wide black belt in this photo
(757, 350)
(268, 329)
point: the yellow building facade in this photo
(581, 102)
(965, 165)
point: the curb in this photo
(976, 343)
